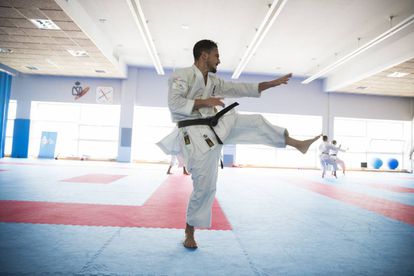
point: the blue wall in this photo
(151, 90)
(5, 85)
(21, 132)
(294, 98)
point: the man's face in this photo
(213, 59)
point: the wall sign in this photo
(104, 94)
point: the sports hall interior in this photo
(84, 188)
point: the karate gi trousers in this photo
(247, 129)
(327, 160)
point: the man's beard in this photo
(212, 69)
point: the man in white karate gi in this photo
(194, 94)
(326, 159)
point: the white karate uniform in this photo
(325, 158)
(200, 156)
(334, 154)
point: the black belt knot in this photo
(213, 121)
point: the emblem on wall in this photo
(78, 91)
(104, 94)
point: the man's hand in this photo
(209, 102)
(268, 84)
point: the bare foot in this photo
(189, 241)
(303, 146)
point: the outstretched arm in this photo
(212, 102)
(268, 84)
(209, 102)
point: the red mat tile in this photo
(95, 178)
(26, 163)
(398, 211)
(392, 188)
(166, 208)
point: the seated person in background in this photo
(177, 159)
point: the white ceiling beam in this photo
(381, 57)
(6, 69)
(267, 22)
(379, 39)
(141, 22)
(75, 10)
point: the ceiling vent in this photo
(78, 53)
(397, 75)
(44, 24)
(100, 71)
(5, 51)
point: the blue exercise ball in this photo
(376, 163)
(392, 163)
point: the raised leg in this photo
(300, 145)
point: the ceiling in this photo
(306, 37)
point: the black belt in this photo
(210, 121)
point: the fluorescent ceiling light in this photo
(45, 24)
(51, 62)
(31, 67)
(78, 53)
(270, 17)
(5, 51)
(403, 24)
(141, 22)
(397, 75)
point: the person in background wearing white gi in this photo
(324, 148)
(177, 159)
(334, 154)
(194, 93)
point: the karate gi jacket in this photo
(185, 86)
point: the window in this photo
(151, 124)
(366, 139)
(83, 130)
(299, 127)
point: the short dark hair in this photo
(203, 45)
(334, 142)
(325, 138)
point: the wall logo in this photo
(78, 91)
